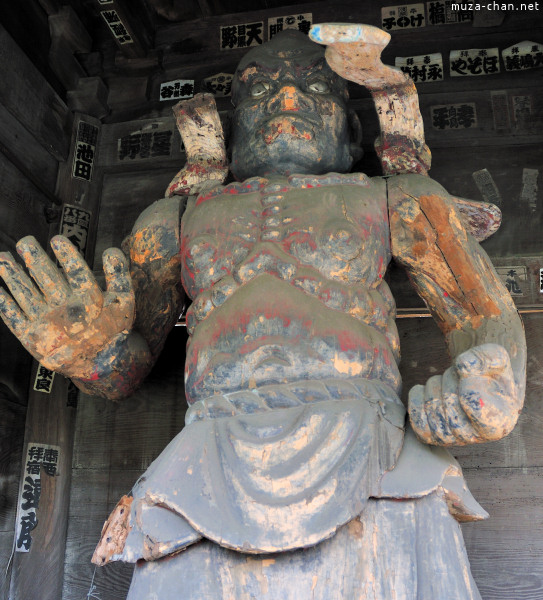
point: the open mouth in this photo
(290, 124)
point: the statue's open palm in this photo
(66, 319)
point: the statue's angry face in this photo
(291, 114)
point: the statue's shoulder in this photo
(414, 186)
(409, 193)
(162, 213)
(155, 234)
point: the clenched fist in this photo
(475, 400)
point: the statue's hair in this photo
(286, 44)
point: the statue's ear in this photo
(355, 147)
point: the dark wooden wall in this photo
(32, 141)
(37, 45)
(114, 443)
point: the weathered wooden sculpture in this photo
(293, 477)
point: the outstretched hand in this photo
(474, 401)
(66, 319)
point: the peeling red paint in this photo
(347, 341)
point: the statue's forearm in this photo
(507, 331)
(480, 396)
(119, 368)
(153, 247)
(354, 52)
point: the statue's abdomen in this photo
(287, 283)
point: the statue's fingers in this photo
(459, 424)
(486, 359)
(119, 299)
(52, 283)
(435, 411)
(353, 33)
(77, 272)
(490, 405)
(117, 273)
(20, 285)
(12, 315)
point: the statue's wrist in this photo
(118, 368)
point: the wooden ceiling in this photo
(175, 11)
(47, 30)
(71, 44)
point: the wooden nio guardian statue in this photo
(293, 478)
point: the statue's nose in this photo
(288, 98)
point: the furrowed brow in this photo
(254, 70)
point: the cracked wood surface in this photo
(201, 131)
(473, 309)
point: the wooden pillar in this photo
(38, 573)
(14, 377)
(45, 483)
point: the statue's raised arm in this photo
(105, 341)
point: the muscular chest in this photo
(336, 224)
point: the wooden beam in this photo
(21, 166)
(348, 11)
(68, 35)
(128, 32)
(77, 191)
(39, 573)
(12, 425)
(22, 204)
(25, 150)
(89, 97)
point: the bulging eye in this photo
(318, 86)
(260, 89)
